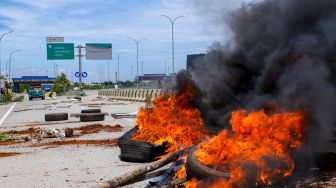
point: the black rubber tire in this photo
(199, 171)
(86, 117)
(325, 161)
(56, 117)
(135, 151)
(91, 111)
(78, 98)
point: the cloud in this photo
(82, 21)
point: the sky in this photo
(108, 21)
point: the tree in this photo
(61, 84)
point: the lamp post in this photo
(166, 65)
(0, 47)
(172, 24)
(118, 74)
(10, 62)
(137, 44)
(131, 72)
(142, 68)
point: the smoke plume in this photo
(282, 55)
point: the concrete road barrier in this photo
(144, 96)
(131, 92)
(139, 94)
(134, 95)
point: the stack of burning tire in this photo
(195, 169)
(137, 151)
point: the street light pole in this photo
(137, 44)
(10, 62)
(0, 48)
(166, 65)
(118, 73)
(142, 68)
(172, 24)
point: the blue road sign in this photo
(84, 74)
(77, 74)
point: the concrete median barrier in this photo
(134, 95)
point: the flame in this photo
(172, 120)
(258, 149)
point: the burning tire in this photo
(86, 117)
(91, 111)
(56, 117)
(136, 151)
(197, 170)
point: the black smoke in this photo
(282, 52)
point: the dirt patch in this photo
(107, 142)
(96, 128)
(26, 131)
(52, 123)
(10, 142)
(8, 154)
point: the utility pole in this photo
(172, 26)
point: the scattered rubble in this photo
(106, 142)
(96, 128)
(8, 154)
(51, 123)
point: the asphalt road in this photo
(63, 166)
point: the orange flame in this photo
(172, 120)
(260, 146)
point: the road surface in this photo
(68, 165)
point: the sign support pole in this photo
(80, 63)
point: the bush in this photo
(19, 98)
(62, 84)
(8, 98)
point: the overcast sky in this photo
(108, 21)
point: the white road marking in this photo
(136, 112)
(4, 117)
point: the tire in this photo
(86, 117)
(199, 171)
(56, 117)
(43, 98)
(325, 161)
(90, 111)
(30, 98)
(136, 151)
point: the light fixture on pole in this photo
(137, 44)
(172, 24)
(0, 48)
(10, 62)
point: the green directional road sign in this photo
(60, 51)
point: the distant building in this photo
(31, 80)
(153, 77)
(193, 60)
